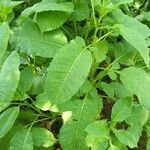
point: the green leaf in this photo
(49, 15)
(81, 11)
(122, 109)
(42, 137)
(115, 144)
(6, 7)
(146, 15)
(37, 44)
(100, 51)
(77, 116)
(107, 89)
(22, 140)
(26, 80)
(97, 133)
(112, 75)
(113, 147)
(7, 119)
(139, 116)
(85, 88)
(148, 144)
(2, 59)
(125, 53)
(4, 37)
(4, 142)
(128, 22)
(136, 40)
(9, 78)
(50, 20)
(120, 90)
(137, 81)
(68, 71)
(42, 102)
(130, 136)
(48, 6)
(10, 3)
(38, 85)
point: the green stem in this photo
(94, 19)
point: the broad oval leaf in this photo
(37, 44)
(137, 41)
(22, 140)
(9, 78)
(48, 6)
(50, 15)
(68, 71)
(128, 22)
(137, 81)
(54, 17)
(51, 20)
(42, 137)
(122, 109)
(7, 119)
(4, 37)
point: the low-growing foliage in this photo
(74, 74)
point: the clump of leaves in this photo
(74, 74)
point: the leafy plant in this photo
(74, 74)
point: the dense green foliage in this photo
(74, 74)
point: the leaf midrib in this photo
(66, 76)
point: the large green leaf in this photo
(136, 40)
(4, 37)
(50, 15)
(7, 119)
(42, 137)
(137, 81)
(77, 116)
(9, 78)
(130, 136)
(121, 110)
(68, 71)
(135, 35)
(48, 20)
(44, 45)
(48, 6)
(131, 23)
(22, 140)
